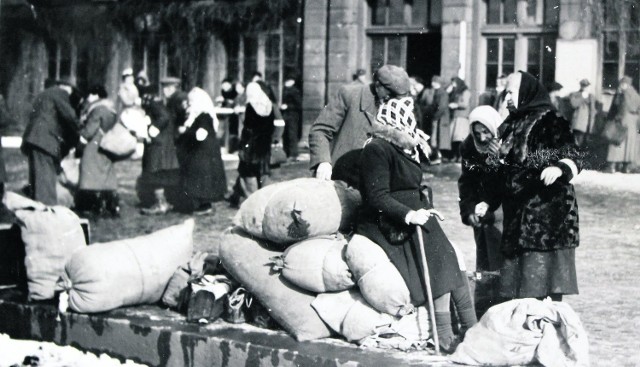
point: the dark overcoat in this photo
(160, 152)
(97, 170)
(53, 124)
(390, 188)
(201, 168)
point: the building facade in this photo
(476, 40)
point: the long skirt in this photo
(536, 274)
(626, 151)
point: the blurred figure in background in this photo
(159, 162)
(255, 143)
(359, 77)
(51, 132)
(559, 103)
(440, 121)
(128, 94)
(291, 112)
(202, 176)
(583, 116)
(625, 109)
(98, 183)
(459, 98)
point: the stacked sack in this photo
(304, 271)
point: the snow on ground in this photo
(13, 352)
(610, 181)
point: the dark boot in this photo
(112, 203)
(626, 167)
(611, 168)
(160, 207)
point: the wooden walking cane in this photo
(427, 281)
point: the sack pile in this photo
(304, 271)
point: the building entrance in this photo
(423, 55)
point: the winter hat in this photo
(394, 78)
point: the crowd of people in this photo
(181, 133)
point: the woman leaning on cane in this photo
(393, 206)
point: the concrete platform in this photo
(159, 337)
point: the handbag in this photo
(118, 142)
(614, 132)
(278, 156)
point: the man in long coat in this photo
(51, 132)
(344, 124)
(583, 117)
(160, 161)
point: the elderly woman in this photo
(479, 201)
(625, 108)
(538, 159)
(255, 142)
(394, 205)
(202, 175)
(98, 183)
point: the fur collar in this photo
(395, 137)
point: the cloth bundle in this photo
(286, 213)
(378, 279)
(316, 264)
(51, 236)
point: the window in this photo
(146, 56)
(272, 62)
(233, 62)
(541, 58)
(502, 12)
(250, 57)
(500, 58)
(418, 13)
(621, 43)
(387, 50)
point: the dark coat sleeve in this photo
(325, 127)
(553, 136)
(66, 113)
(469, 182)
(375, 171)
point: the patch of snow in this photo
(13, 352)
(610, 181)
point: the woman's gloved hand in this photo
(421, 216)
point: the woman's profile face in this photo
(513, 88)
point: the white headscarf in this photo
(199, 103)
(397, 113)
(258, 99)
(489, 118)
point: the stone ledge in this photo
(159, 337)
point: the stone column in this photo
(577, 53)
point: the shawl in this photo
(488, 117)
(258, 99)
(396, 115)
(199, 103)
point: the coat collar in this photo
(368, 104)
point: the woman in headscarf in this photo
(255, 142)
(459, 97)
(394, 204)
(98, 183)
(479, 201)
(625, 109)
(538, 159)
(202, 175)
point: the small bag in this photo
(278, 156)
(615, 132)
(119, 142)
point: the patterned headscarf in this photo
(397, 113)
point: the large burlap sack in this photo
(348, 314)
(316, 264)
(51, 235)
(291, 211)
(378, 279)
(247, 260)
(105, 276)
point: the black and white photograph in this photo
(275, 183)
